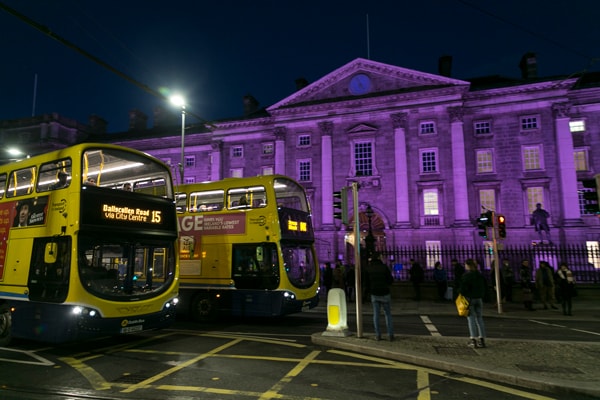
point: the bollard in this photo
(337, 317)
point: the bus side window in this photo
(2, 185)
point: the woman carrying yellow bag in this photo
(462, 305)
(473, 286)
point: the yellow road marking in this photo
(95, 379)
(273, 392)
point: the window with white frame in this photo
(487, 199)
(427, 128)
(189, 179)
(267, 170)
(535, 195)
(431, 202)
(303, 140)
(237, 151)
(581, 160)
(190, 161)
(304, 170)
(429, 162)
(434, 252)
(237, 172)
(532, 158)
(529, 122)
(482, 127)
(485, 161)
(583, 201)
(267, 148)
(363, 158)
(577, 125)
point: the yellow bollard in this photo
(337, 318)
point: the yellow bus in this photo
(89, 239)
(246, 248)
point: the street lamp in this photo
(179, 101)
(370, 239)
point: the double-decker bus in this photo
(88, 244)
(246, 248)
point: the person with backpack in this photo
(544, 281)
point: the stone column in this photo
(459, 169)
(216, 164)
(280, 133)
(566, 171)
(327, 189)
(402, 193)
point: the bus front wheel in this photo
(204, 308)
(5, 327)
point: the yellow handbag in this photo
(462, 305)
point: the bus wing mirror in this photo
(50, 253)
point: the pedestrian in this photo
(473, 287)
(338, 280)
(440, 278)
(458, 270)
(350, 282)
(378, 278)
(327, 277)
(566, 285)
(544, 283)
(417, 276)
(508, 281)
(526, 286)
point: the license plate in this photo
(133, 328)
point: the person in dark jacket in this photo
(378, 278)
(473, 287)
(417, 276)
(566, 285)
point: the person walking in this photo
(458, 269)
(378, 278)
(508, 281)
(526, 286)
(350, 282)
(327, 277)
(417, 276)
(473, 287)
(544, 282)
(441, 280)
(338, 280)
(566, 285)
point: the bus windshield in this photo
(299, 262)
(116, 270)
(289, 194)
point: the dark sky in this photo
(215, 52)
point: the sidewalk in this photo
(566, 368)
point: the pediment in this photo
(380, 79)
(362, 128)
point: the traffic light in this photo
(340, 205)
(484, 220)
(591, 196)
(501, 226)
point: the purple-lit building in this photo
(429, 151)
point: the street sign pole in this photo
(496, 262)
(358, 268)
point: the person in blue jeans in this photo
(473, 286)
(378, 278)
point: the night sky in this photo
(215, 52)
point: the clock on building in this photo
(360, 84)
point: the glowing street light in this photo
(179, 101)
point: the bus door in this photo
(50, 269)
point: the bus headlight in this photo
(289, 295)
(171, 303)
(84, 311)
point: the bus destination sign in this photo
(113, 212)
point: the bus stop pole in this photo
(358, 268)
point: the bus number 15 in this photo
(156, 218)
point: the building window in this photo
(363, 158)
(304, 171)
(427, 128)
(429, 161)
(267, 148)
(434, 252)
(577, 125)
(529, 123)
(581, 160)
(267, 170)
(190, 161)
(532, 159)
(482, 127)
(535, 195)
(487, 199)
(583, 202)
(485, 161)
(303, 140)
(237, 173)
(189, 179)
(431, 208)
(237, 151)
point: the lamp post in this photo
(370, 239)
(180, 102)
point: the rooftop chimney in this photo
(137, 120)
(250, 104)
(445, 66)
(528, 66)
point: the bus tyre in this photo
(5, 327)
(204, 308)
